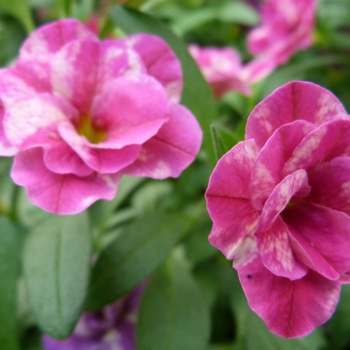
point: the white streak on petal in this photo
(26, 117)
(243, 251)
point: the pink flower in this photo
(224, 72)
(78, 113)
(221, 68)
(286, 28)
(280, 201)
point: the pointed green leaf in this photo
(9, 271)
(56, 266)
(173, 314)
(133, 256)
(196, 94)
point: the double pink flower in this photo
(287, 27)
(78, 113)
(280, 205)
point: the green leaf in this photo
(173, 314)
(64, 8)
(217, 142)
(133, 256)
(56, 267)
(238, 12)
(19, 9)
(297, 70)
(232, 12)
(338, 327)
(101, 211)
(9, 271)
(196, 94)
(11, 37)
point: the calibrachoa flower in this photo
(221, 68)
(112, 328)
(78, 113)
(286, 27)
(280, 201)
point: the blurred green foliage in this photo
(183, 269)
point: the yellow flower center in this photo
(93, 134)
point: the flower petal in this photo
(27, 116)
(6, 148)
(330, 184)
(295, 100)
(276, 252)
(58, 156)
(231, 176)
(61, 159)
(234, 219)
(290, 186)
(323, 235)
(117, 60)
(38, 51)
(74, 73)
(172, 149)
(14, 86)
(289, 308)
(160, 62)
(56, 193)
(130, 111)
(51, 37)
(267, 171)
(104, 161)
(328, 141)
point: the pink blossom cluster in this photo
(286, 27)
(78, 113)
(221, 68)
(279, 202)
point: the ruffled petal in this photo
(234, 218)
(130, 111)
(160, 62)
(330, 184)
(6, 148)
(321, 238)
(13, 86)
(295, 100)
(267, 171)
(38, 51)
(328, 141)
(51, 37)
(290, 308)
(172, 149)
(57, 193)
(276, 252)
(102, 160)
(28, 116)
(117, 60)
(74, 73)
(291, 185)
